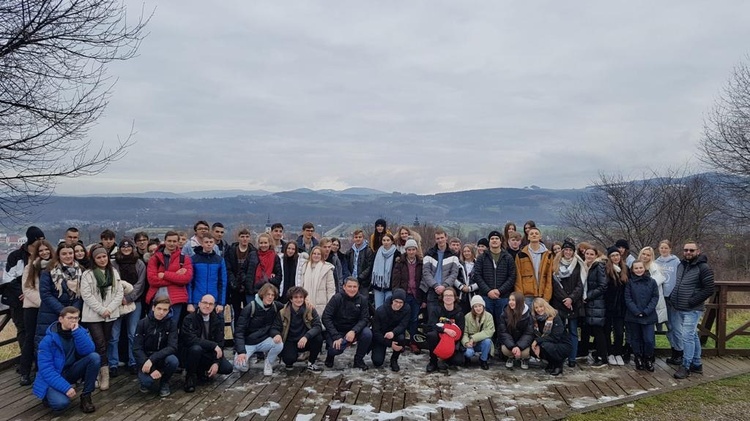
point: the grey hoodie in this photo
(669, 268)
(536, 258)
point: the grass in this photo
(735, 319)
(725, 399)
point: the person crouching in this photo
(155, 346)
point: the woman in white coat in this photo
(316, 277)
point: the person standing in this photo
(407, 275)
(209, 276)
(641, 297)
(495, 276)
(169, 273)
(360, 259)
(669, 263)
(534, 268)
(694, 285)
(382, 269)
(439, 270)
(41, 254)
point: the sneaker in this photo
(329, 361)
(164, 391)
(697, 369)
(144, 389)
(25, 380)
(524, 364)
(682, 373)
(509, 363)
(598, 363)
(313, 367)
(267, 368)
(619, 360)
(611, 360)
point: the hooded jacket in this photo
(387, 320)
(527, 282)
(51, 359)
(155, 340)
(641, 296)
(694, 284)
(523, 333)
(668, 266)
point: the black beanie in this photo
(380, 222)
(568, 244)
(494, 234)
(33, 234)
(483, 242)
(612, 249)
(622, 243)
(398, 294)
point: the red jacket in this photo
(176, 284)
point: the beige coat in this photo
(93, 305)
(319, 284)
(31, 297)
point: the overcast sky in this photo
(419, 96)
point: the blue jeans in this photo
(381, 297)
(87, 368)
(415, 306)
(167, 367)
(364, 340)
(484, 346)
(268, 346)
(674, 329)
(691, 344)
(573, 329)
(113, 348)
(642, 339)
(495, 307)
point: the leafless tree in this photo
(54, 85)
(674, 206)
(726, 141)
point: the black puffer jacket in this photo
(615, 298)
(596, 304)
(522, 335)
(154, 339)
(239, 275)
(344, 313)
(256, 323)
(386, 320)
(489, 277)
(694, 285)
(568, 287)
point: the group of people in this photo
(508, 295)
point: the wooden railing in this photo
(4, 320)
(716, 316)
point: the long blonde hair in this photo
(548, 309)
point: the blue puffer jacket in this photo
(641, 296)
(52, 304)
(209, 277)
(51, 359)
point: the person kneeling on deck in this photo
(345, 319)
(388, 327)
(552, 342)
(255, 332)
(66, 354)
(202, 344)
(301, 329)
(155, 346)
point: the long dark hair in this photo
(514, 316)
(285, 257)
(34, 270)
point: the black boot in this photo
(676, 358)
(648, 363)
(190, 381)
(557, 369)
(86, 405)
(394, 362)
(638, 362)
(432, 366)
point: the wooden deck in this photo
(342, 393)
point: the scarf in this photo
(567, 267)
(355, 263)
(103, 281)
(264, 271)
(70, 275)
(381, 269)
(617, 269)
(547, 329)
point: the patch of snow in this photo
(263, 411)
(304, 417)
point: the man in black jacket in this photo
(255, 330)
(345, 319)
(241, 260)
(694, 285)
(202, 343)
(360, 259)
(388, 327)
(155, 346)
(495, 275)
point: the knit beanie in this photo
(622, 243)
(410, 243)
(33, 234)
(494, 234)
(612, 249)
(568, 244)
(97, 251)
(380, 222)
(483, 242)
(477, 300)
(398, 294)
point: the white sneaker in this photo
(524, 364)
(611, 360)
(267, 368)
(619, 360)
(313, 367)
(253, 359)
(509, 363)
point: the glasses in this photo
(207, 303)
(688, 250)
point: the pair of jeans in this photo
(131, 323)
(268, 346)
(364, 341)
(87, 368)
(166, 367)
(691, 343)
(415, 306)
(381, 297)
(573, 330)
(495, 307)
(642, 339)
(674, 329)
(290, 352)
(484, 347)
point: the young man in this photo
(170, 271)
(301, 330)
(345, 318)
(209, 276)
(277, 234)
(455, 245)
(217, 231)
(107, 238)
(388, 329)
(306, 241)
(201, 230)
(495, 274)
(141, 243)
(254, 332)
(66, 355)
(534, 269)
(515, 239)
(360, 259)
(202, 344)
(439, 269)
(155, 346)
(241, 258)
(72, 235)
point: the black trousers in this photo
(290, 352)
(380, 345)
(198, 360)
(28, 348)
(615, 327)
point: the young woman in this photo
(382, 269)
(59, 287)
(464, 284)
(102, 295)
(289, 265)
(316, 277)
(268, 268)
(614, 327)
(515, 332)
(336, 249)
(595, 303)
(641, 296)
(550, 343)
(82, 255)
(526, 227)
(40, 254)
(478, 333)
(556, 248)
(567, 293)
(376, 238)
(509, 227)
(133, 271)
(402, 235)
(407, 275)
(646, 255)
(447, 309)
(669, 263)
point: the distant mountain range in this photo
(220, 194)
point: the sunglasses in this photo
(689, 250)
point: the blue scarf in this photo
(381, 269)
(355, 266)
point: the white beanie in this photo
(410, 243)
(477, 300)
